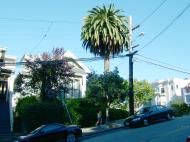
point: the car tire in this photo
(71, 137)
(145, 122)
(126, 123)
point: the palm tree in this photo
(104, 33)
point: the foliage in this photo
(116, 114)
(180, 108)
(46, 75)
(85, 109)
(143, 92)
(31, 113)
(72, 106)
(105, 32)
(106, 88)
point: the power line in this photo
(67, 59)
(167, 27)
(98, 59)
(154, 11)
(43, 37)
(162, 66)
(162, 62)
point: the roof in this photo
(69, 54)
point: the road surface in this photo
(168, 131)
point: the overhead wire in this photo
(169, 66)
(167, 27)
(154, 11)
(162, 66)
(162, 62)
(43, 37)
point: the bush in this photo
(72, 106)
(20, 107)
(116, 114)
(32, 114)
(180, 108)
(84, 112)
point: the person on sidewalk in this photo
(99, 118)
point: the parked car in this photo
(149, 115)
(53, 132)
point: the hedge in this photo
(180, 108)
(31, 113)
(34, 114)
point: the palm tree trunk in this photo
(106, 64)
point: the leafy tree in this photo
(106, 88)
(46, 75)
(143, 92)
(113, 86)
(105, 32)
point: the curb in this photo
(96, 133)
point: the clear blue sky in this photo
(22, 36)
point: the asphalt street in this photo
(175, 130)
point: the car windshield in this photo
(37, 129)
(143, 110)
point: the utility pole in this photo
(131, 53)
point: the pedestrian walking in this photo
(99, 118)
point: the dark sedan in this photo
(53, 133)
(148, 115)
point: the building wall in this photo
(186, 94)
(169, 90)
(7, 75)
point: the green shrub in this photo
(180, 108)
(83, 111)
(115, 114)
(72, 106)
(33, 114)
(18, 113)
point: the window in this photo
(172, 87)
(177, 86)
(187, 98)
(50, 128)
(162, 90)
(154, 109)
(159, 107)
(3, 89)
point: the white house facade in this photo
(167, 91)
(6, 90)
(186, 94)
(77, 87)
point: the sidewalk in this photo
(117, 124)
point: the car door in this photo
(47, 134)
(162, 111)
(153, 114)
